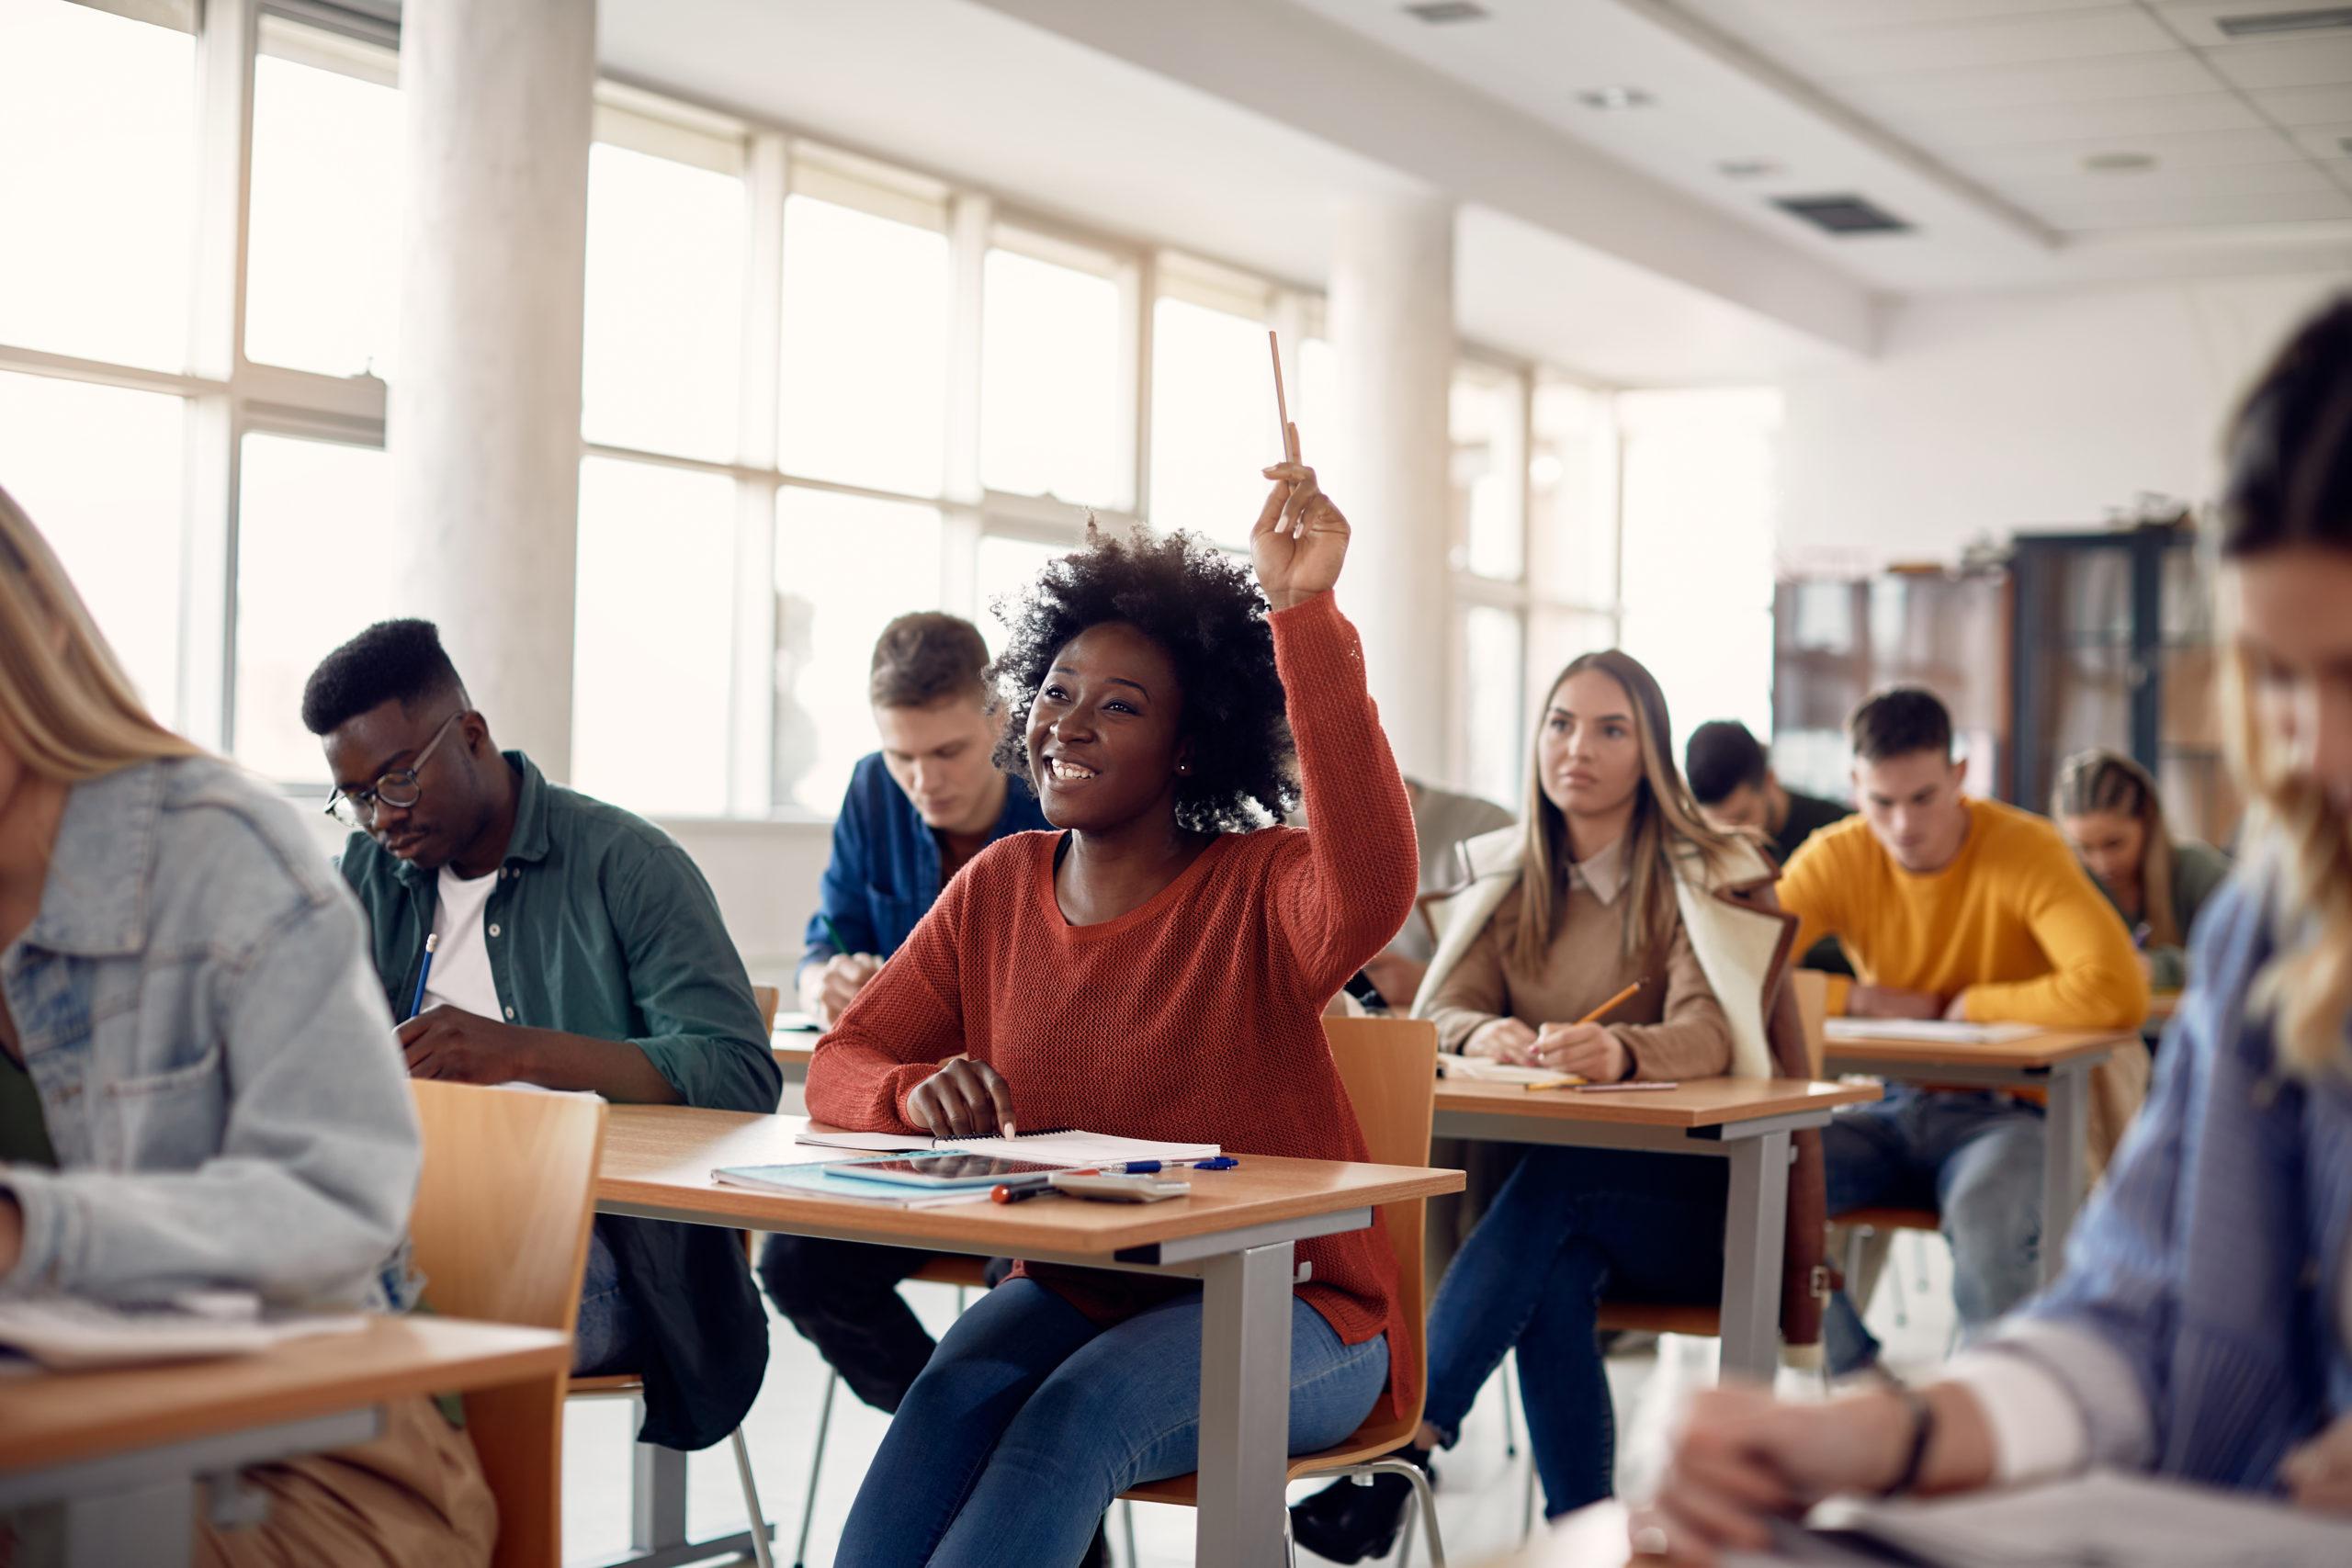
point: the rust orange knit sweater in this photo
(1195, 1018)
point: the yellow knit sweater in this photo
(2014, 923)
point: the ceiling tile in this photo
(2221, 210)
(2051, 160)
(2301, 106)
(2305, 62)
(1951, 132)
(2326, 140)
(2064, 82)
(2199, 21)
(2000, 40)
(1838, 16)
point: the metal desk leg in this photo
(1755, 1231)
(1245, 1407)
(2065, 1132)
(152, 1525)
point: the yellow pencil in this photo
(1611, 1005)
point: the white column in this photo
(1391, 323)
(483, 419)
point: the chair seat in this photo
(1374, 1440)
(1659, 1317)
(1891, 1219)
(972, 1273)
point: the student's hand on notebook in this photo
(1893, 1001)
(1300, 539)
(1502, 1040)
(462, 1047)
(965, 1099)
(2318, 1474)
(1588, 1049)
(1740, 1458)
(830, 988)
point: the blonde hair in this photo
(67, 710)
(1665, 819)
(2290, 487)
(2100, 779)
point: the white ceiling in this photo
(1968, 119)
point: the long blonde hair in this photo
(66, 708)
(1665, 819)
(2290, 485)
(2100, 779)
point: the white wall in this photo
(1985, 415)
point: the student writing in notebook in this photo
(1613, 879)
(1963, 908)
(1156, 967)
(2107, 807)
(2203, 1327)
(915, 814)
(198, 1084)
(578, 948)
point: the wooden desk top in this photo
(53, 1418)
(1703, 1103)
(2044, 1050)
(662, 1157)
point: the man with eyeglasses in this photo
(575, 947)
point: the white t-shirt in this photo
(461, 976)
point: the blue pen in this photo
(416, 1003)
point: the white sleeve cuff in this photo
(2038, 1430)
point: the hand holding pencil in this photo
(1586, 1047)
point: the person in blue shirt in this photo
(916, 812)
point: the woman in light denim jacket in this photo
(2203, 1327)
(199, 1084)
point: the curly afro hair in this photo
(1204, 608)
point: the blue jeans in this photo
(1569, 1224)
(1030, 1419)
(604, 1339)
(1975, 1157)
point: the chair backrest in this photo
(769, 997)
(1389, 1068)
(1811, 988)
(500, 1234)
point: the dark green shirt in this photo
(24, 1132)
(600, 925)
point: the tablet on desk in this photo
(946, 1170)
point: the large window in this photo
(1052, 391)
(98, 470)
(306, 509)
(97, 184)
(324, 237)
(1212, 419)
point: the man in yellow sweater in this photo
(1951, 907)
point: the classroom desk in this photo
(1235, 1235)
(795, 1049)
(2057, 1061)
(124, 1448)
(1744, 1121)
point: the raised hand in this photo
(1300, 539)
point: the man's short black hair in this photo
(1899, 721)
(390, 661)
(1723, 756)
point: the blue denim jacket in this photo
(215, 1063)
(2195, 1325)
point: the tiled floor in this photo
(1479, 1503)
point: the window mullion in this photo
(752, 694)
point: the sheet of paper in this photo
(1929, 1030)
(1482, 1069)
(871, 1143)
(1079, 1149)
(2108, 1517)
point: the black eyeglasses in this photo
(398, 788)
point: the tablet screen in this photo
(937, 1170)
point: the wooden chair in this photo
(1389, 1065)
(500, 1234)
(770, 999)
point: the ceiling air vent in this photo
(1842, 214)
(2270, 24)
(1437, 11)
